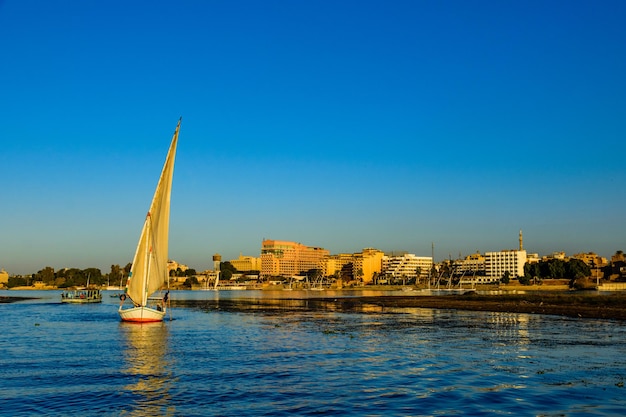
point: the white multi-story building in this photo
(497, 263)
(407, 266)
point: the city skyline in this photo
(338, 124)
(450, 256)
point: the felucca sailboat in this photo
(149, 274)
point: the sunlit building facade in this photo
(407, 266)
(497, 263)
(335, 263)
(471, 265)
(246, 263)
(367, 264)
(286, 259)
(591, 259)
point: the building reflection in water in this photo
(146, 363)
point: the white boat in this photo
(149, 274)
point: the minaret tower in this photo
(521, 240)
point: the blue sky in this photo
(340, 124)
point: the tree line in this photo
(75, 277)
(572, 270)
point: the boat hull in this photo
(81, 301)
(141, 314)
(81, 296)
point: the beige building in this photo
(471, 265)
(246, 263)
(591, 259)
(334, 263)
(369, 262)
(285, 258)
(365, 264)
(555, 255)
(4, 278)
(532, 258)
(619, 256)
(173, 266)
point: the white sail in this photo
(149, 272)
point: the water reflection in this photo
(146, 364)
(282, 305)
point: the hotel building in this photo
(367, 264)
(497, 263)
(246, 263)
(284, 258)
(334, 264)
(471, 265)
(407, 266)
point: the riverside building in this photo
(472, 269)
(334, 264)
(367, 264)
(246, 263)
(407, 266)
(286, 259)
(511, 261)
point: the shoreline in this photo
(575, 304)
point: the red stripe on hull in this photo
(142, 320)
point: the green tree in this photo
(189, 282)
(227, 266)
(532, 271)
(556, 268)
(72, 277)
(524, 280)
(347, 271)
(576, 268)
(506, 277)
(46, 275)
(17, 282)
(227, 270)
(115, 276)
(93, 275)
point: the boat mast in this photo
(144, 296)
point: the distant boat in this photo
(149, 274)
(81, 296)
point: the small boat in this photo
(81, 296)
(149, 273)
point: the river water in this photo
(220, 356)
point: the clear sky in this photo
(339, 124)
